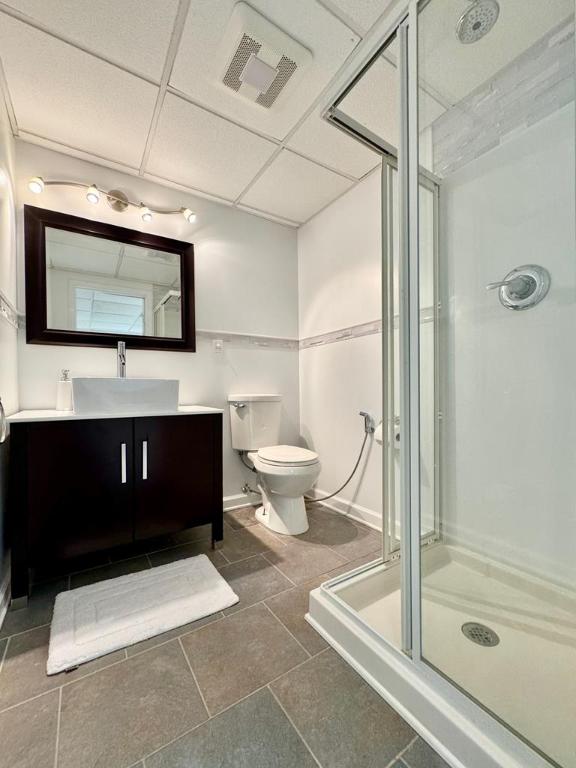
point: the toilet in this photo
(285, 472)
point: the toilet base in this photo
(283, 514)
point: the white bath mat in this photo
(95, 620)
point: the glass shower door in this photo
(498, 592)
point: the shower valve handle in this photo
(500, 284)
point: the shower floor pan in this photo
(527, 678)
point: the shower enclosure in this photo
(468, 622)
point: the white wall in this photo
(339, 264)
(509, 443)
(246, 282)
(8, 345)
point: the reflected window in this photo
(108, 312)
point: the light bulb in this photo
(36, 185)
(189, 215)
(93, 195)
(146, 213)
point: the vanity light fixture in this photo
(93, 195)
(36, 185)
(116, 199)
(189, 215)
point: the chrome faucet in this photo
(121, 360)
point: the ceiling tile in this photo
(324, 142)
(73, 98)
(202, 151)
(365, 13)
(200, 63)
(295, 188)
(134, 33)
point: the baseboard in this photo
(240, 500)
(355, 511)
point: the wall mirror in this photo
(91, 283)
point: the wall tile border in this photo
(7, 312)
(356, 331)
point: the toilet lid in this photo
(287, 455)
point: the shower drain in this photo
(480, 634)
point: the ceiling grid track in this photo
(178, 29)
(8, 101)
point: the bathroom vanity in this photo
(82, 484)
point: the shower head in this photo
(477, 21)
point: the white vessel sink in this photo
(115, 395)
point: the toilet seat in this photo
(287, 456)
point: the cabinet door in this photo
(178, 473)
(79, 487)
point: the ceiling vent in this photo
(262, 63)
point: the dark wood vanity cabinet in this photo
(83, 486)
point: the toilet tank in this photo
(254, 420)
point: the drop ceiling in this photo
(137, 85)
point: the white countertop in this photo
(53, 415)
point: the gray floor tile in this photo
(116, 717)
(187, 550)
(233, 657)
(301, 563)
(253, 580)
(24, 675)
(152, 642)
(290, 607)
(253, 734)
(241, 518)
(28, 733)
(37, 612)
(247, 542)
(350, 539)
(326, 699)
(110, 571)
(420, 755)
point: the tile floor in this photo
(252, 687)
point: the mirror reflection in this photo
(103, 286)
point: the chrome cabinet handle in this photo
(238, 406)
(145, 460)
(123, 462)
(3, 429)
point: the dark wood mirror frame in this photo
(36, 220)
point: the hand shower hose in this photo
(368, 430)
